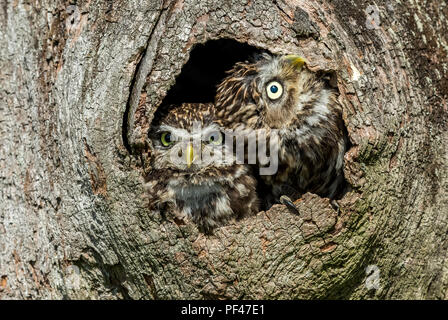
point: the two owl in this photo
(276, 93)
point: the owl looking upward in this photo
(191, 170)
(280, 92)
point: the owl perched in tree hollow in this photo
(280, 92)
(191, 173)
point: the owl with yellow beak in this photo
(194, 173)
(279, 93)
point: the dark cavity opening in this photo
(206, 68)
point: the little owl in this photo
(280, 92)
(193, 173)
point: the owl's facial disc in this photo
(189, 151)
(279, 85)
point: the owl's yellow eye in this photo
(166, 139)
(274, 90)
(215, 138)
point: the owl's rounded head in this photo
(272, 91)
(187, 141)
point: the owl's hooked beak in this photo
(189, 155)
(296, 61)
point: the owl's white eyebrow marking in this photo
(210, 129)
(179, 134)
(182, 134)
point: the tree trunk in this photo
(79, 84)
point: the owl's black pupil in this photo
(274, 89)
(168, 137)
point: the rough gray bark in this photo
(74, 221)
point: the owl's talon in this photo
(285, 200)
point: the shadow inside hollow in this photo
(206, 68)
